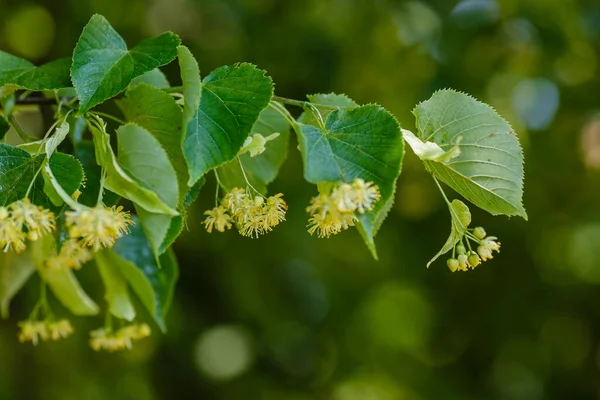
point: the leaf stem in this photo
(246, 178)
(217, 189)
(441, 190)
(304, 104)
(24, 137)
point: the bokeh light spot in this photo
(29, 31)
(224, 352)
(535, 102)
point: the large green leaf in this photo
(153, 281)
(262, 169)
(231, 101)
(115, 285)
(460, 221)
(17, 73)
(15, 271)
(62, 282)
(119, 181)
(157, 112)
(143, 158)
(489, 170)
(103, 66)
(362, 142)
(154, 78)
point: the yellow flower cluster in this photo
(252, 216)
(106, 339)
(471, 259)
(33, 331)
(23, 220)
(332, 213)
(98, 227)
(72, 255)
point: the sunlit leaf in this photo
(489, 170)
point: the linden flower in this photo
(38, 221)
(486, 247)
(72, 255)
(233, 199)
(105, 339)
(99, 226)
(60, 329)
(12, 237)
(33, 331)
(217, 218)
(366, 194)
(275, 210)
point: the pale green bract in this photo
(489, 170)
(460, 221)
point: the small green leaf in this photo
(143, 159)
(119, 182)
(116, 291)
(193, 193)
(62, 282)
(362, 142)
(262, 169)
(15, 271)
(17, 73)
(430, 150)
(153, 281)
(489, 170)
(154, 78)
(85, 153)
(62, 176)
(232, 99)
(461, 219)
(103, 67)
(17, 170)
(4, 127)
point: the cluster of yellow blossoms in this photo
(470, 259)
(34, 331)
(90, 230)
(251, 216)
(106, 339)
(22, 220)
(334, 212)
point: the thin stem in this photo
(304, 104)
(217, 189)
(24, 137)
(441, 190)
(105, 115)
(101, 191)
(246, 178)
(283, 112)
(173, 89)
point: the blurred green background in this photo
(290, 316)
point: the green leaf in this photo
(17, 73)
(17, 170)
(157, 112)
(154, 78)
(430, 150)
(153, 281)
(4, 127)
(118, 181)
(231, 101)
(262, 169)
(116, 291)
(65, 174)
(362, 142)
(85, 153)
(103, 66)
(192, 85)
(193, 193)
(461, 219)
(15, 271)
(62, 282)
(143, 158)
(489, 170)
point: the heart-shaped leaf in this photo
(489, 170)
(231, 101)
(362, 142)
(103, 66)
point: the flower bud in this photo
(474, 260)
(452, 264)
(460, 249)
(479, 232)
